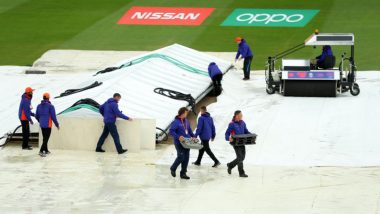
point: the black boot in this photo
(229, 169)
(184, 176)
(100, 150)
(123, 151)
(196, 163)
(243, 175)
(173, 173)
(216, 164)
(27, 148)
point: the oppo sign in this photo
(269, 17)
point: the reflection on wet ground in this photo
(87, 182)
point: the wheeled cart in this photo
(300, 77)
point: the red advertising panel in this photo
(165, 16)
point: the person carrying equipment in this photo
(206, 131)
(179, 130)
(326, 60)
(216, 76)
(45, 115)
(110, 111)
(24, 114)
(245, 52)
(236, 127)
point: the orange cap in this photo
(46, 95)
(237, 39)
(29, 90)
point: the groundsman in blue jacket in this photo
(179, 130)
(216, 76)
(237, 127)
(110, 112)
(206, 132)
(244, 51)
(25, 115)
(326, 52)
(45, 115)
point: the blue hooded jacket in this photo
(244, 50)
(213, 70)
(24, 111)
(205, 127)
(326, 51)
(236, 128)
(110, 111)
(179, 127)
(45, 114)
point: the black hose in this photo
(289, 51)
(109, 69)
(9, 137)
(87, 101)
(73, 91)
(177, 96)
(166, 136)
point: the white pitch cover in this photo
(135, 83)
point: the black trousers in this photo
(321, 64)
(217, 83)
(217, 80)
(25, 133)
(247, 66)
(240, 156)
(45, 139)
(206, 148)
(183, 156)
(110, 128)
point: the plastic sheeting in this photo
(135, 83)
(89, 182)
(299, 131)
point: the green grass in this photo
(28, 28)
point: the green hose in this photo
(168, 59)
